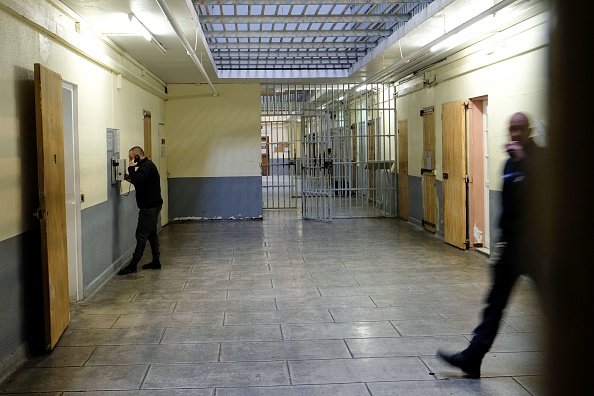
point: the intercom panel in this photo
(118, 169)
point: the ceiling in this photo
(292, 41)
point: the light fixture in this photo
(143, 31)
(135, 28)
(139, 27)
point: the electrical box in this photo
(118, 169)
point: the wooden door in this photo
(264, 146)
(428, 171)
(403, 169)
(52, 202)
(148, 135)
(454, 173)
(370, 159)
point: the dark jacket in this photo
(147, 182)
(515, 195)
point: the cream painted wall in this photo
(47, 36)
(213, 136)
(514, 77)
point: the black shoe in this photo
(127, 270)
(155, 264)
(470, 365)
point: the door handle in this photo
(39, 214)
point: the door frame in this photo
(478, 190)
(73, 196)
(402, 142)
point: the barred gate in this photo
(329, 150)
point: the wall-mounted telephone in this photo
(118, 169)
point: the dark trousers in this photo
(147, 229)
(505, 272)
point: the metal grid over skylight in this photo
(298, 34)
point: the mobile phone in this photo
(137, 158)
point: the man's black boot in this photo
(466, 361)
(155, 264)
(130, 268)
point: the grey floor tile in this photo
(535, 384)
(280, 316)
(147, 392)
(403, 346)
(177, 335)
(358, 370)
(325, 302)
(86, 321)
(246, 305)
(274, 292)
(285, 350)
(338, 330)
(84, 337)
(216, 375)
(156, 307)
(439, 326)
(458, 387)
(181, 295)
(169, 320)
(76, 379)
(301, 390)
(149, 354)
(382, 313)
(63, 357)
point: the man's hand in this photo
(515, 150)
(127, 177)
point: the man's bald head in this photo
(519, 128)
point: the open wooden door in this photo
(52, 202)
(454, 173)
(428, 171)
(403, 169)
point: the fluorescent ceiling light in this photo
(139, 28)
(133, 27)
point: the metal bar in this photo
(296, 33)
(298, 2)
(319, 45)
(296, 19)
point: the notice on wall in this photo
(110, 140)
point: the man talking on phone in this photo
(521, 172)
(143, 174)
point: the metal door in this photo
(316, 162)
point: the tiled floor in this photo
(285, 306)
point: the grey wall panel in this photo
(107, 237)
(215, 197)
(495, 202)
(21, 316)
(415, 200)
(439, 188)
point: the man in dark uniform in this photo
(143, 174)
(517, 175)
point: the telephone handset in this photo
(137, 159)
